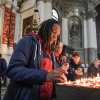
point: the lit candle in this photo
(98, 77)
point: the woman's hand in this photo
(65, 68)
(57, 75)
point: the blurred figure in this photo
(58, 50)
(94, 68)
(60, 56)
(3, 68)
(75, 69)
(57, 54)
(64, 60)
(60, 59)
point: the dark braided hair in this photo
(46, 29)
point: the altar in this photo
(64, 92)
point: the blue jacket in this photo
(24, 72)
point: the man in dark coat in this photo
(3, 66)
(28, 80)
(94, 68)
(75, 68)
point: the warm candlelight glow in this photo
(85, 82)
(98, 75)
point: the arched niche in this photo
(75, 32)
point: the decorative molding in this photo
(86, 7)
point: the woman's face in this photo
(76, 59)
(54, 34)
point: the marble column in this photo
(85, 41)
(65, 30)
(17, 22)
(48, 9)
(41, 7)
(17, 35)
(85, 33)
(92, 40)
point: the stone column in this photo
(65, 30)
(17, 28)
(92, 40)
(1, 24)
(85, 33)
(48, 9)
(85, 41)
(41, 7)
(17, 23)
(1, 28)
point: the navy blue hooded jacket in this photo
(24, 72)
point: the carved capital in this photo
(91, 14)
(82, 8)
(44, 0)
(93, 3)
(47, 0)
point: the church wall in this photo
(27, 11)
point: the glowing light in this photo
(54, 14)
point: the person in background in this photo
(60, 55)
(3, 68)
(30, 76)
(75, 69)
(94, 68)
(61, 60)
(64, 55)
(57, 54)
